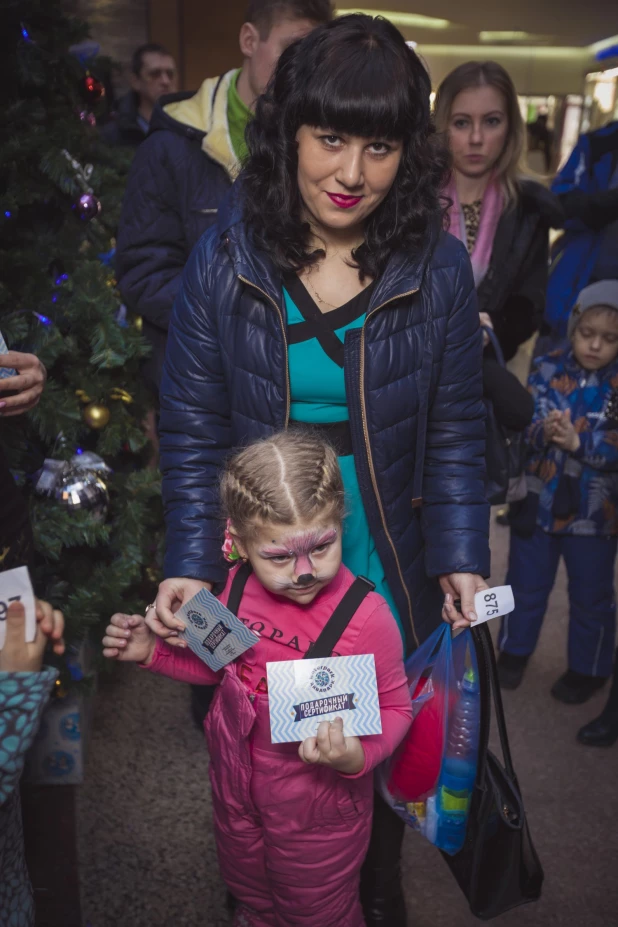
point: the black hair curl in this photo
(357, 76)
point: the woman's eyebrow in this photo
(492, 112)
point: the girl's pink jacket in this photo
(292, 837)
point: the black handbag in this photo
(497, 868)
(505, 451)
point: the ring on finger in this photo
(148, 607)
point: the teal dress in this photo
(317, 388)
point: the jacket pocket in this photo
(341, 802)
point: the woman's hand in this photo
(17, 656)
(564, 434)
(172, 595)
(462, 586)
(129, 639)
(27, 384)
(331, 748)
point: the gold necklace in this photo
(317, 295)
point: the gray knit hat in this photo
(603, 293)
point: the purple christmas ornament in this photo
(89, 118)
(87, 207)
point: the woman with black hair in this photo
(328, 296)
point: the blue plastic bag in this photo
(430, 779)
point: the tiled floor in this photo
(147, 857)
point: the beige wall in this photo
(543, 71)
(204, 36)
(202, 33)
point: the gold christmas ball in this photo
(96, 416)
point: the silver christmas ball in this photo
(83, 491)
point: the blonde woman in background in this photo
(501, 216)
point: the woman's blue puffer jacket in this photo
(414, 388)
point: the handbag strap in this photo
(340, 619)
(495, 344)
(238, 586)
(489, 672)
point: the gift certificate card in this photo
(302, 693)
(15, 586)
(213, 632)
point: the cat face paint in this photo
(296, 561)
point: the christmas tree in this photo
(81, 455)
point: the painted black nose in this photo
(305, 579)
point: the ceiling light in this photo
(412, 20)
(506, 36)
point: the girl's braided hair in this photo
(289, 477)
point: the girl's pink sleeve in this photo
(380, 636)
(181, 664)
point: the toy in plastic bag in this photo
(430, 778)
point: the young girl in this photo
(25, 685)
(292, 823)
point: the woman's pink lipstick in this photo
(344, 202)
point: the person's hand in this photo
(549, 425)
(486, 323)
(19, 657)
(463, 586)
(564, 434)
(128, 638)
(172, 594)
(330, 748)
(27, 384)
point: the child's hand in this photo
(19, 657)
(331, 748)
(550, 424)
(128, 638)
(565, 435)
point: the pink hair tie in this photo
(229, 549)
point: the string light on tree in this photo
(93, 89)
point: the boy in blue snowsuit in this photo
(571, 510)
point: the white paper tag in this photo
(493, 603)
(15, 586)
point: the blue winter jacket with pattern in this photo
(414, 389)
(586, 480)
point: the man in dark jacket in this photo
(153, 75)
(183, 170)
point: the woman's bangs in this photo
(361, 96)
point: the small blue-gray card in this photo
(301, 693)
(213, 632)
